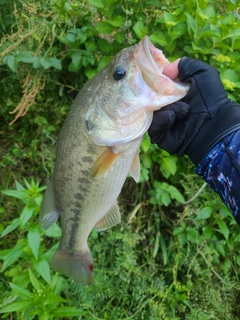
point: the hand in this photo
(209, 117)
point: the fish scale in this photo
(98, 146)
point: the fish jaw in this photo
(151, 62)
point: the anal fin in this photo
(111, 218)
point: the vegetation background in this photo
(169, 258)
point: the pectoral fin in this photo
(135, 168)
(111, 218)
(103, 163)
(48, 212)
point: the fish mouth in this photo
(155, 55)
(151, 61)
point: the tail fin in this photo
(77, 265)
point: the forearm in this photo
(221, 170)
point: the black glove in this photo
(212, 115)
(166, 125)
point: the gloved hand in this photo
(167, 125)
(211, 115)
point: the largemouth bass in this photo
(98, 146)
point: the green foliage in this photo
(31, 294)
(170, 258)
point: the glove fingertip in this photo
(183, 110)
(162, 120)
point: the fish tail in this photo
(78, 265)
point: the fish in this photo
(98, 146)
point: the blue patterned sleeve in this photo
(220, 168)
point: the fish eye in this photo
(119, 73)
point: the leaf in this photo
(192, 23)
(165, 198)
(169, 19)
(182, 238)
(22, 293)
(104, 27)
(175, 194)
(11, 61)
(53, 231)
(119, 37)
(76, 59)
(145, 146)
(192, 235)
(104, 45)
(12, 255)
(16, 306)
(164, 250)
(67, 312)
(34, 241)
(207, 232)
(19, 187)
(156, 247)
(230, 75)
(146, 161)
(15, 194)
(209, 12)
(159, 38)
(43, 269)
(36, 284)
(71, 37)
(56, 63)
(45, 63)
(178, 31)
(26, 215)
(205, 213)
(169, 164)
(25, 56)
(209, 33)
(15, 223)
(79, 35)
(179, 230)
(220, 248)
(235, 33)
(223, 228)
(50, 298)
(140, 29)
(116, 21)
(96, 3)
(36, 62)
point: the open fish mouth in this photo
(155, 56)
(151, 61)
